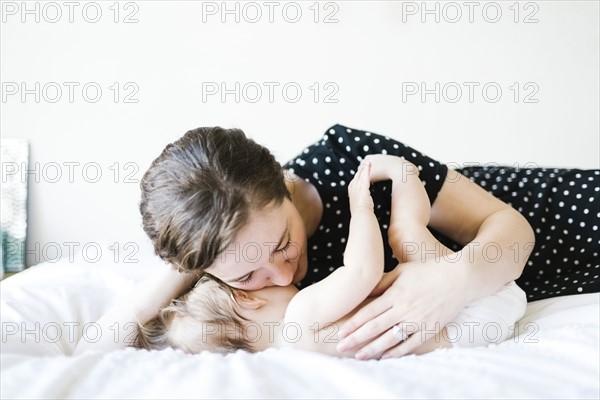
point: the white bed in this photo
(553, 354)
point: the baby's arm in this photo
(346, 287)
(408, 235)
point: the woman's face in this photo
(269, 251)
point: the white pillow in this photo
(48, 308)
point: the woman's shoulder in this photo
(350, 145)
(339, 148)
(332, 161)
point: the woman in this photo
(199, 203)
(215, 317)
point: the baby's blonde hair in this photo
(202, 319)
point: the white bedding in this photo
(553, 354)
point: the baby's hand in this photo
(358, 189)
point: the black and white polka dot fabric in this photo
(561, 205)
(329, 165)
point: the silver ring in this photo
(399, 333)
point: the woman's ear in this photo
(247, 301)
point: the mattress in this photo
(47, 309)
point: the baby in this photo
(215, 317)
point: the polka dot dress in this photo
(330, 165)
(561, 205)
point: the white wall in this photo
(372, 55)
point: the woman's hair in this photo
(200, 191)
(202, 319)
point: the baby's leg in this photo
(408, 235)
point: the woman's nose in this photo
(282, 274)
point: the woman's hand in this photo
(386, 281)
(422, 309)
(424, 298)
(430, 292)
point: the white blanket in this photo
(44, 311)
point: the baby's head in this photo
(211, 316)
(205, 318)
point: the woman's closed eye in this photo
(286, 247)
(245, 280)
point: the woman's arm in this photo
(498, 239)
(429, 294)
(139, 306)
